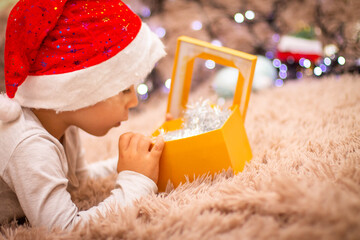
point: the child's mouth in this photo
(118, 124)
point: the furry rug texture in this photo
(302, 183)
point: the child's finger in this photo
(144, 144)
(158, 147)
(134, 142)
(124, 140)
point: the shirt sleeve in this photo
(82, 169)
(98, 169)
(37, 174)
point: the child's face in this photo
(100, 118)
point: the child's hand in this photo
(137, 154)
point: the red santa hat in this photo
(69, 54)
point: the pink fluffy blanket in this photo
(302, 183)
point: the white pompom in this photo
(9, 109)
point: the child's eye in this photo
(127, 90)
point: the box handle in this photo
(187, 50)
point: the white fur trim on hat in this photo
(86, 87)
(9, 109)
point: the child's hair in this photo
(69, 54)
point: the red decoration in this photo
(283, 56)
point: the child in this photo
(71, 64)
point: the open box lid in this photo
(188, 49)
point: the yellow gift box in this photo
(213, 151)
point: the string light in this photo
(276, 37)
(279, 82)
(317, 71)
(145, 12)
(210, 64)
(196, 25)
(301, 62)
(216, 43)
(276, 63)
(282, 75)
(160, 31)
(327, 61)
(283, 68)
(239, 18)
(323, 68)
(299, 75)
(341, 60)
(142, 89)
(249, 14)
(269, 55)
(307, 63)
(330, 50)
(168, 83)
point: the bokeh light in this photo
(196, 25)
(279, 82)
(216, 42)
(327, 61)
(341, 60)
(307, 63)
(142, 89)
(282, 75)
(239, 18)
(299, 75)
(323, 68)
(168, 83)
(145, 12)
(317, 71)
(283, 68)
(269, 55)
(160, 31)
(276, 63)
(249, 14)
(210, 64)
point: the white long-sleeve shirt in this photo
(36, 170)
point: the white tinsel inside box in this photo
(200, 117)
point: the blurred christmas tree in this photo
(256, 27)
(328, 31)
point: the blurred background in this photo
(294, 39)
